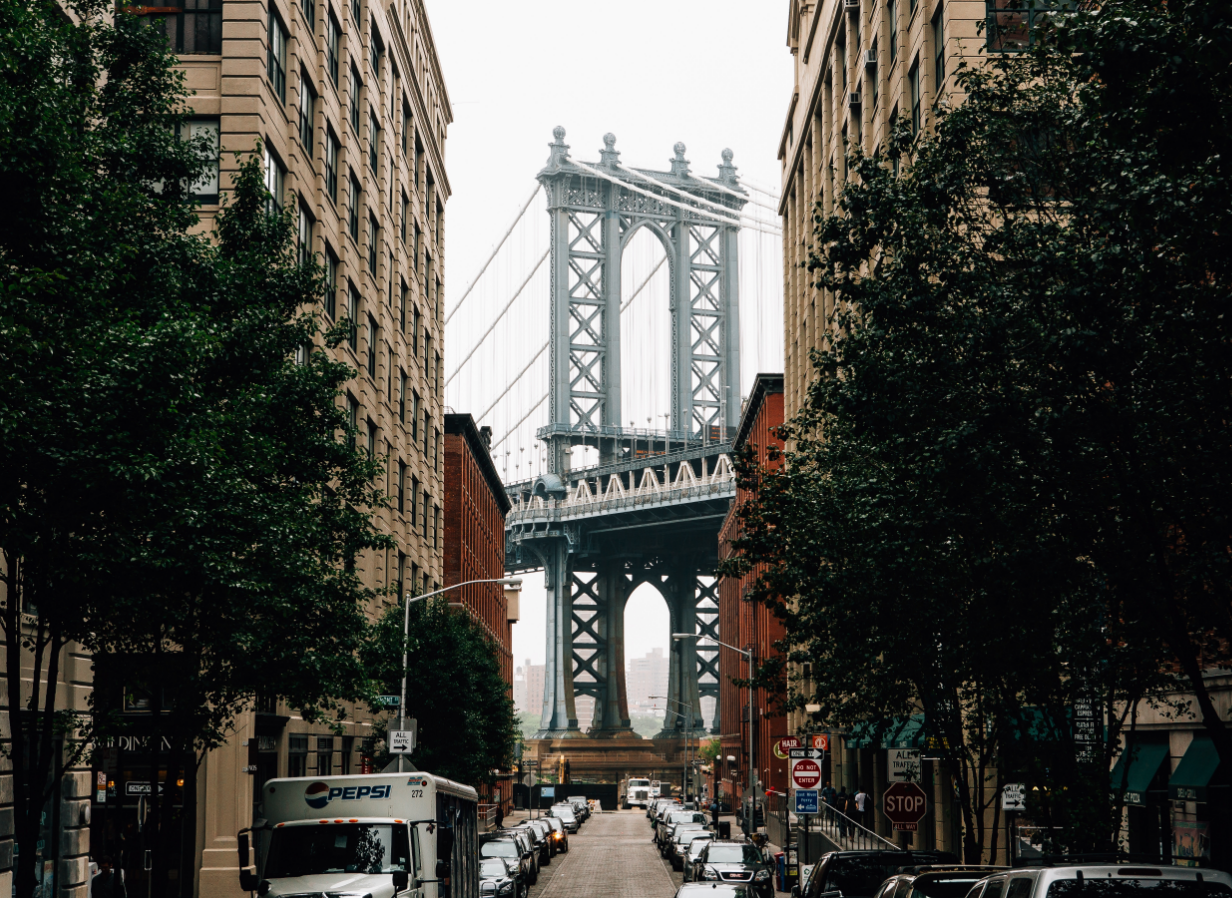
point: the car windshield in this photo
(500, 848)
(552, 824)
(949, 886)
(564, 812)
(1133, 887)
(338, 848)
(697, 841)
(685, 836)
(733, 854)
(636, 783)
(493, 869)
(861, 877)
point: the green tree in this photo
(455, 690)
(175, 493)
(1007, 493)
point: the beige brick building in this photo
(859, 64)
(348, 103)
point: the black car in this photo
(566, 815)
(559, 835)
(545, 833)
(543, 851)
(859, 874)
(935, 881)
(736, 863)
(507, 848)
(498, 879)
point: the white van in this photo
(414, 835)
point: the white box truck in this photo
(413, 835)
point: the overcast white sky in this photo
(710, 73)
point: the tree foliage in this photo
(178, 493)
(1008, 491)
(455, 690)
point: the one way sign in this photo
(815, 753)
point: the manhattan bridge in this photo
(603, 333)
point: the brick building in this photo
(475, 509)
(744, 623)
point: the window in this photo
(352, 422)
(436, 527)
(1011, 24)
(840, 51)
(297, 756)
(402, 309)
(401, 489)
(325, 755)
(892, 28)
(355, 13)
(371, 438)
(427, 429)
(275, 176)
(414, 507)
(377, 50)
(374, 140)
(374, 236)
(304, 234)
(406, 128)
(911, 6)
(402, 397)
(389, 374)
(353, 316)
(332, 149)
(332, 36)
(372, 334)
(415, 417)
(874, 80)
(415, 340)
(278, 57)
(938, 51)
(353, 99)
(310, 11)
(331, 282)
(194, 26)
(406, 211)
(307, 106)
(348, 749)
(204, 133)
(353, 212)
(913, 89)
(415, 251)
(424, 507)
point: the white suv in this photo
(1105, 881)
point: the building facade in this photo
(528, 690)
(475, 509)
(747, 624)
(858, 67)
(645, 677)
(346, 103)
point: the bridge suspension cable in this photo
(497, 319)
(514, 429)
(495, 250)
(698, 199)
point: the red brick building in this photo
(475, 508)
(743, 623)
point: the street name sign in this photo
(905, 805)
(805, 773)
(389, 701)
(806, 801)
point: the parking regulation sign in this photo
(806, 801)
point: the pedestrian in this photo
(828, 794)
(109, 883)
(714, 813)
(500, 815)
(863, 803)
(840, 805)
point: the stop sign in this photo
(905, 805)
(805, 773)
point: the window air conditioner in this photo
(853, 98)
(851, 5)
(870, 58)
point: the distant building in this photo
(528, 689)
(475, 508)
(745, 623)
(645, 677)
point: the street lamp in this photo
(510, 583)
(748, 655)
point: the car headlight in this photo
(709, 873)
(506, 889)
(762, 875)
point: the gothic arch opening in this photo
(645, 332)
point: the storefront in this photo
(1198, 790)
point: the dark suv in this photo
(935, 881)
(511, 850)
(738, 863)
(859, 874)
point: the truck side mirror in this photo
(442, 869)
(248, 881)
(402, 880)
(243, 849)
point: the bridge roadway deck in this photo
(611, 857)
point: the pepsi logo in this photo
(317, 795)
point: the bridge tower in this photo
(658, 522)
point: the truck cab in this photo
(411, 835)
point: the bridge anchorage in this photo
(650, 510)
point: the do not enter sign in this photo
(905, 805)
(805, 773)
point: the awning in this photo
(1143, 760)
(907, 733)
(1197, 768)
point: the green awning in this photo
(861, 736)
(907, 733)
(1195, 772)
(1143, 760)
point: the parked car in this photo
(673, 832)
(860, 874)
(566, 815)
(740, 863)
(580, 804)
(543, 851)
(672, 817)
(697, 842)
(935, 881)
(528, 843)
(1105, 881)
(501, 879)
(656, 807)
(713, 890)
(545, 834)
(678, 847)
(560, 837)
(509, 849)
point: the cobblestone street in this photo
(612, 857)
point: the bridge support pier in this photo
(559, 712)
